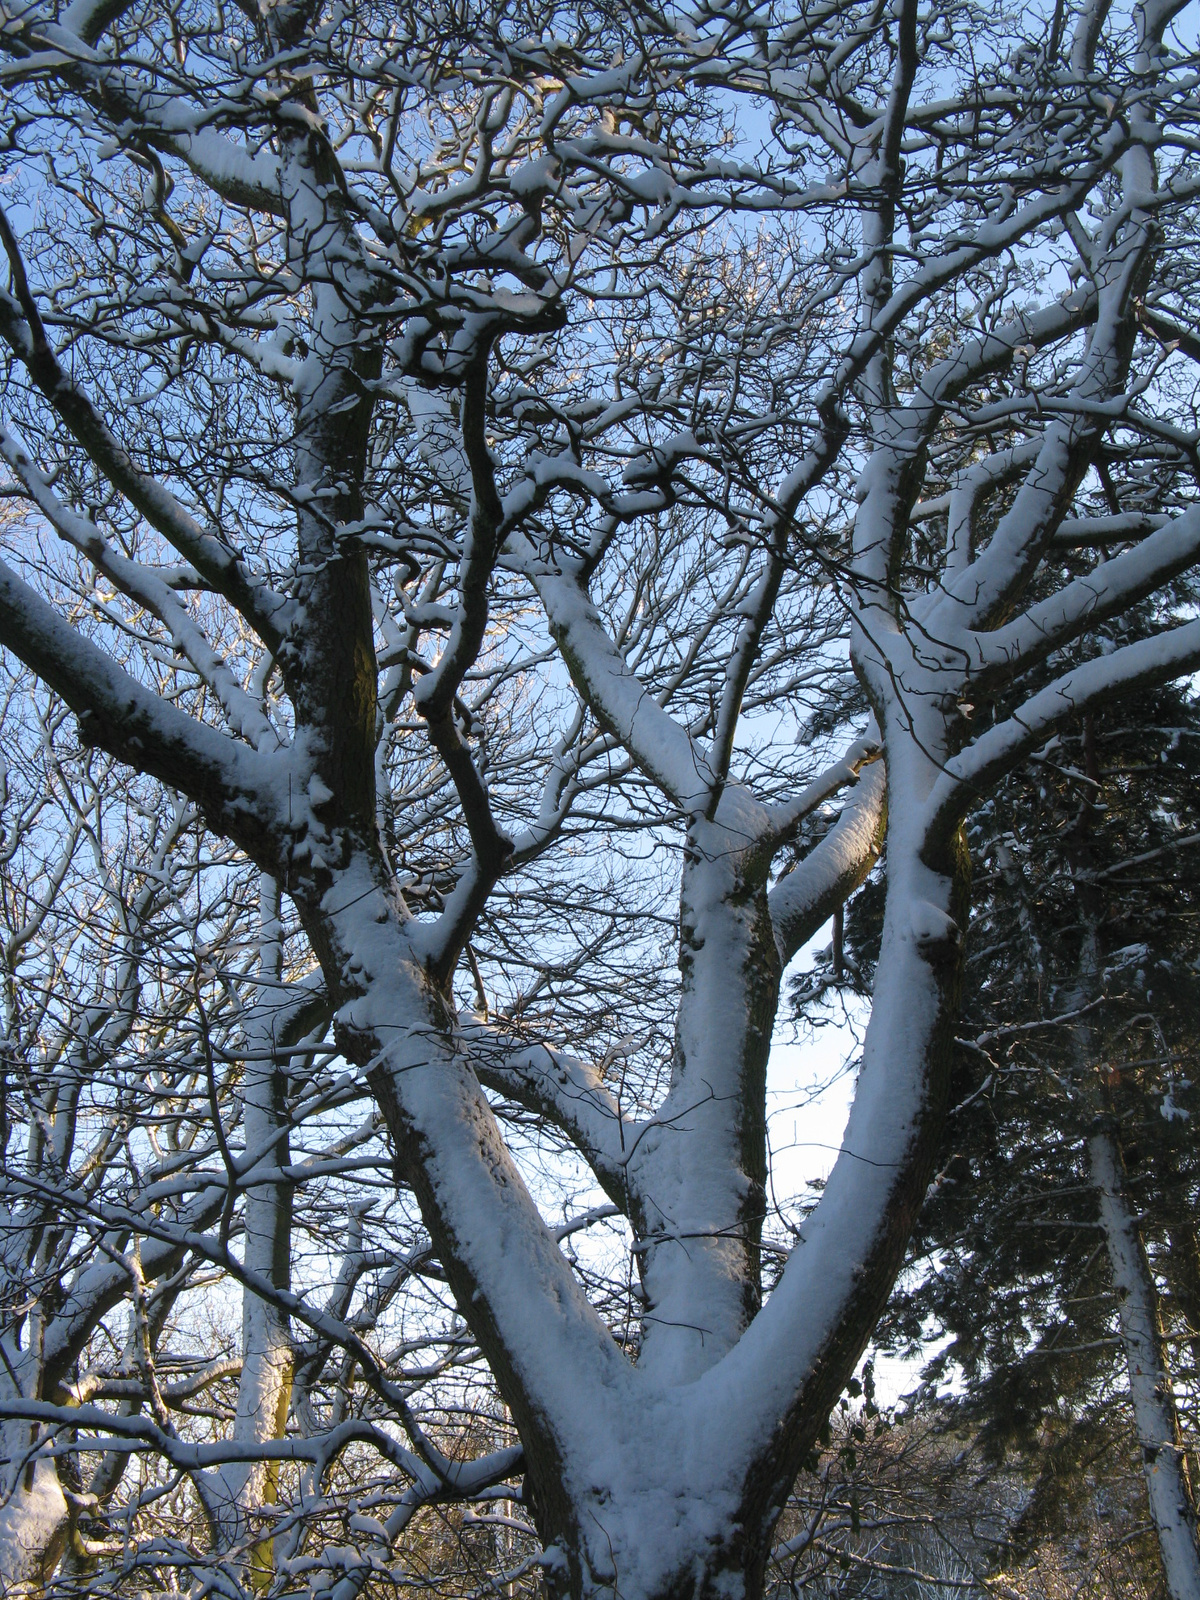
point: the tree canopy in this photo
(548, 491)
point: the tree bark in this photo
(34, 1514)
(1150, 1389)
(236, 1491)
(1149, 1380)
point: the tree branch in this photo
(238, 789)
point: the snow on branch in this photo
(241, 790)
(663, 750)
(1105, 592)
(561, 1087)
(1139, 665)
(812, 891)
(208, 552)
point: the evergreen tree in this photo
(1080, 1026)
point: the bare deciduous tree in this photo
(471, 434)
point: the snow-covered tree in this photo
(471, 434)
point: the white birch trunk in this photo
(237, 1490)
(1149, 1381)
(1150, 1389)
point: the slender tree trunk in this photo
(236, 1491)
(1184, 1260)
(1150, 1388)
(1149, 1381)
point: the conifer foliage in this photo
(1079, 1032)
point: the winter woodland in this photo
(510, 515)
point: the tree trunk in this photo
(34, 1515)
(1149, 1381)
(1184, 1256)
(1150, 1388)
(700, 1222)
(236, 1491)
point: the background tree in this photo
(147, 1025)
(1062, 1208)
